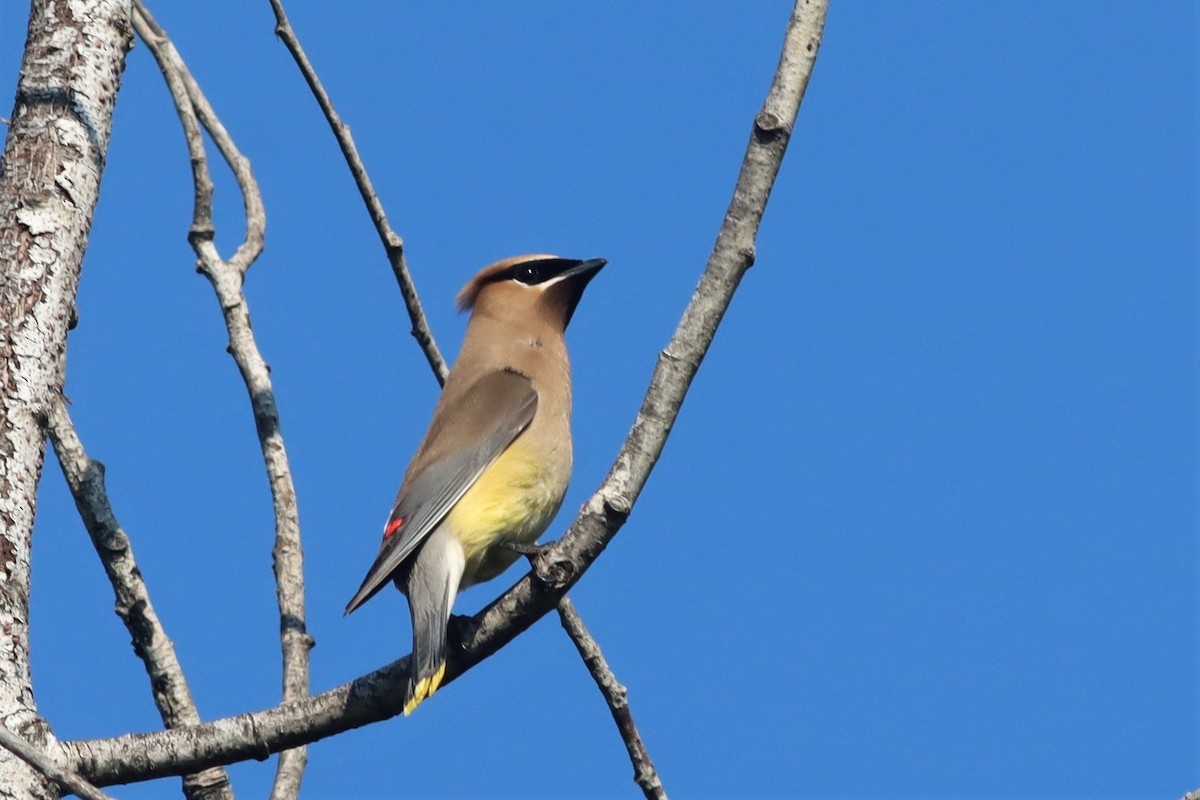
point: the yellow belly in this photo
(514, 500)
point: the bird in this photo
(491, 472)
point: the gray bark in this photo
(228, 278)
(558, 566)
(38, 290)
(172, 696)
(49, 183)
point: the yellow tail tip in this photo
(425, 689)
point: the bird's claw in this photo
(547, 565)
(530, 551)
(461, 628)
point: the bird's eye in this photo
(528, 274)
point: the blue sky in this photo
(926, 526)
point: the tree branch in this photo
(227, 278)
(562, 563)
(616, 696)
(172, 696)
(394, 247)
(65, 778)
(379, 695)
(421, 331)
(392, 243)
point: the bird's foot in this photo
(530, 551)
(461, 628)
(549, 566)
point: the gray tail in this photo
(431, 588)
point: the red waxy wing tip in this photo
(393, 526)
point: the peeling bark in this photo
(557, 566)
(49, 182)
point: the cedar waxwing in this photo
(494, 465)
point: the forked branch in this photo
(378, 695)
(643, 769)
(66, 779)
(172, 696)
(227, 278)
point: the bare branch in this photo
(145, 756)
(394, 247)
(172, 696)
(392, 243)
(194, 111)
(616, 696)
(65, 778)
(562, 563)
(379, 695)
(227, 278)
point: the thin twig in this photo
(616, 696)
(732, 255)
(392, 243)
(379, 695)
(66, 779)
(227, 278)
(195, 111)
(563, 562)
(85, 478)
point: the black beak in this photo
(572, 282)
(587, 268)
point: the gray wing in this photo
(466, 435)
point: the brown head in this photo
(543, 286)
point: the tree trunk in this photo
(49, 182)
